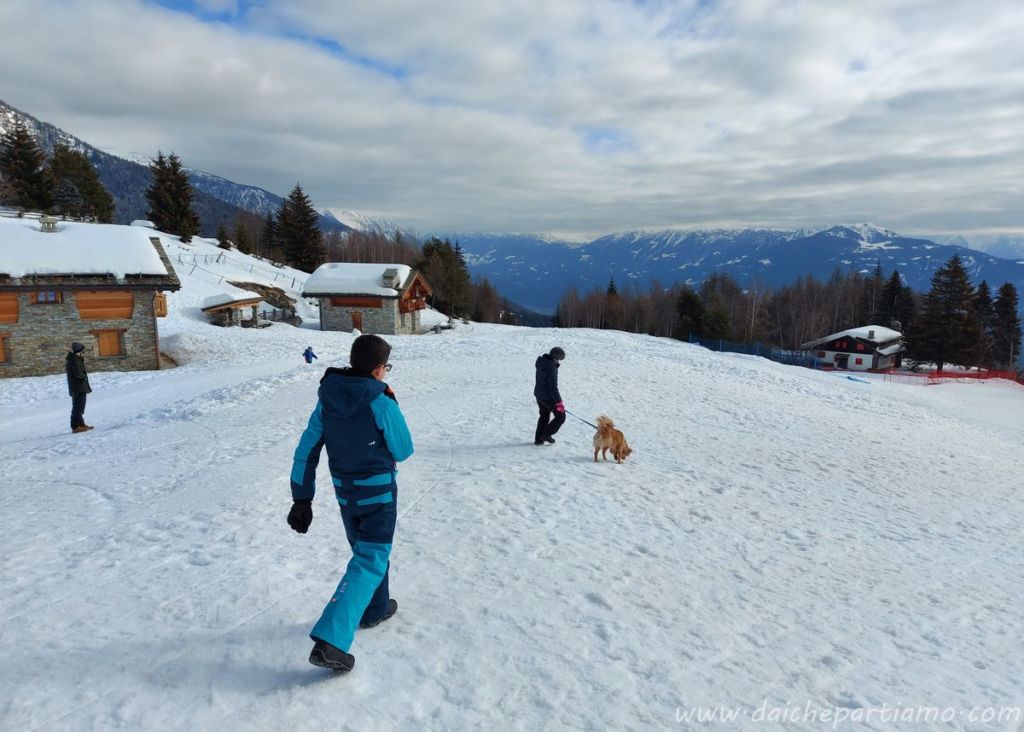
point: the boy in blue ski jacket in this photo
(358, 420)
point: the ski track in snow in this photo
(778, 534)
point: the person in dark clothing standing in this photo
(78, 386)
(308, 354)
(549, 401)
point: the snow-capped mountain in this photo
(362, 221)
(537, 270)
(126, 176)
(998, 245)
(245, 197)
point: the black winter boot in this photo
(392, 609)
(334, 659)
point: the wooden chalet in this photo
(869, 348)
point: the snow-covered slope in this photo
(779, 538)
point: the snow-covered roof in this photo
(76, 249)
(346, 278)
(143, 222)
(235, 294)
(870, 333)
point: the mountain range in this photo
(536, 270)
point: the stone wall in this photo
(380, 321)
(43, 334)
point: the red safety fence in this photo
(928, 378)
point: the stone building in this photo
(385, 299)
(100, 284)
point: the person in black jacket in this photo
(548, 399)
(78, 386)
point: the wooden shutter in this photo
(8, 307)
(3, 347)
(357, 321)
(104, 304)
(160, 305)
(108, 342)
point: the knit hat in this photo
(77, 347)
(557, 353)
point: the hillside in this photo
(216, 200)
(780, 537)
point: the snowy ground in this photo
(780, 538)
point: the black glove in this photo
(301, 515)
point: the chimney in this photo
(871, 335)
(391, 278)
(48, 223)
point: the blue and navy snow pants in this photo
(369, 511)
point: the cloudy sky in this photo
(568, 116)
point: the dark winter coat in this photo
(78, 379)
(309, 355)
(546, 386)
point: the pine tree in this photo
(985, 314)
(170, 198)
(690, 312)
(73, 166)
(242, 239)
(1006, 327)
(222, 236)
(67, 200)
(268, 237)
(895, 304)
(447, 273)
(612, 289)
(300, 236)
(22, 164)
(948, 331)
(715, 323)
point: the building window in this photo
(5, 350)
(160, 305)
(47, 297)
(859, 361)
(8, 307)
(104, 304)
(860, 346)
(108, 343)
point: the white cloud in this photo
(568, 116)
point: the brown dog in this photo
(609, 438)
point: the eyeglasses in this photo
(387, 367)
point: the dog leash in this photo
(581, 419)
